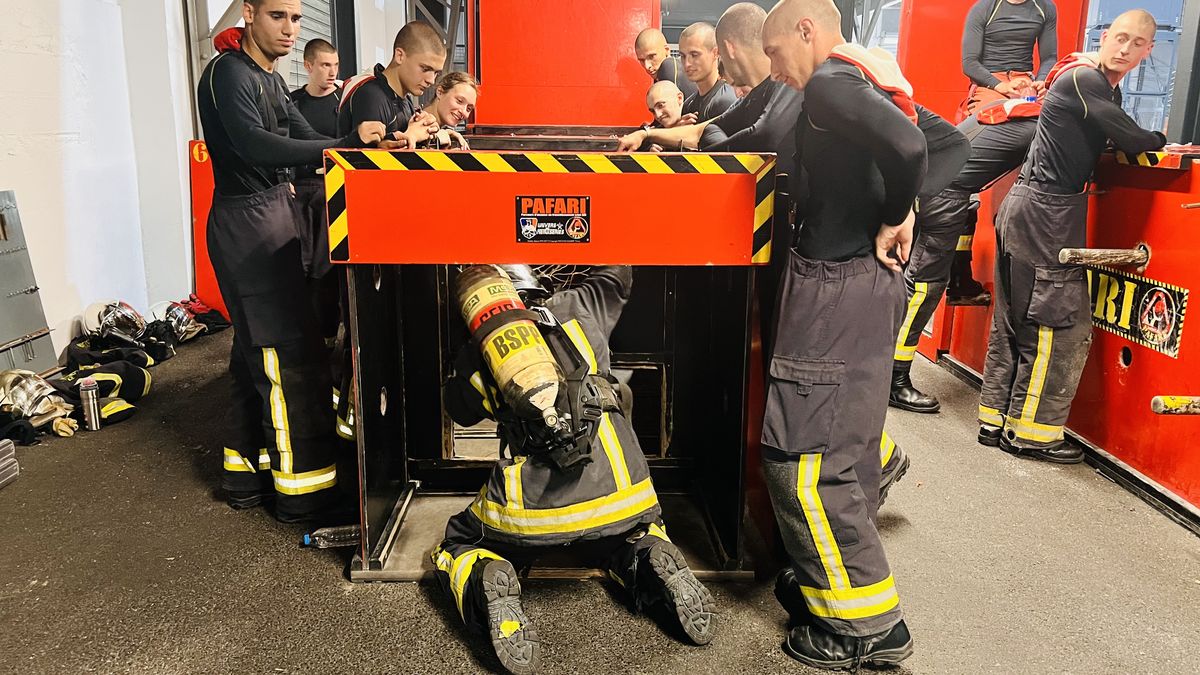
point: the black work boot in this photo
(989, 435)
(791, 598)
(513, 636)
(893, 476)
(246, 491)
(964, 290)
(666, 579)
(1063, 453)
(907, 397)
(819, 648)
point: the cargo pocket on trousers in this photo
(801, 404)
(1060, 296)
(275, 317)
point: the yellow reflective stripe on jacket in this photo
(109, 377)
(114, 407)
(514, 494)
(818, 525)
(852, 603)
(459, 569)
(608, 433)
(279, 416)
(886, 447)
(476, 381)
(305, 483)
(592, 514)
(579, 339)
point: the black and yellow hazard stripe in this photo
(1142, 159)
(338, 162)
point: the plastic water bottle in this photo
(89, 395)
(333, 537)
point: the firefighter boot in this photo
(907, 397)
(1062, 453)
(667, 580)
(989, 435)
(791, 598)
(814, 646)
(892, 473)
(513, 637)
(964, 290)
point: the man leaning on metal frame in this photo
(281, 440)
(1041, 329)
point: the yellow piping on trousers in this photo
(818, 525)
(903, 351)
(279, 417)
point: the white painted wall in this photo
(377, 22)
(96, 113)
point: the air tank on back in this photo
(514, 349)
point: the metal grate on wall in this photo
(317, 23)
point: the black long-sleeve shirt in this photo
(321, 113)
(863, 160)
(253, 131)
(374, 101)
(1080, 114)
(763, 120)
(948, 151)
(999, 37)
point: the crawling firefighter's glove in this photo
(65, 427)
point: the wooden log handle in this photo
(1104, 256)
(1175, 405)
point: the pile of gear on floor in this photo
(104, 371)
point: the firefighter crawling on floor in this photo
(574, 475)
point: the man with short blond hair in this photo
(1041, 327)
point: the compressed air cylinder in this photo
(515, 351)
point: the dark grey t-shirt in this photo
(671, 70)
(999, 37)
(716, 101)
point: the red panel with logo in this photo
(202, 194)
(561, 62)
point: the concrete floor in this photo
(116, 557)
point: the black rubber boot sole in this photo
(514, 639)
(692, 603)
(1038, 454)
(884, 658)
(894, 477)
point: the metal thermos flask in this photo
(89, 393)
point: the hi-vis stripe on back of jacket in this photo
(761, 167)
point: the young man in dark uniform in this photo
(418, 56)
(318, 102)
(700, 56)
(281, 379)
(1000, 134)
(1041, 329)
(998, 41)
(654, 54)
(864, 159)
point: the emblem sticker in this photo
(554, 219)
(1141, 310)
